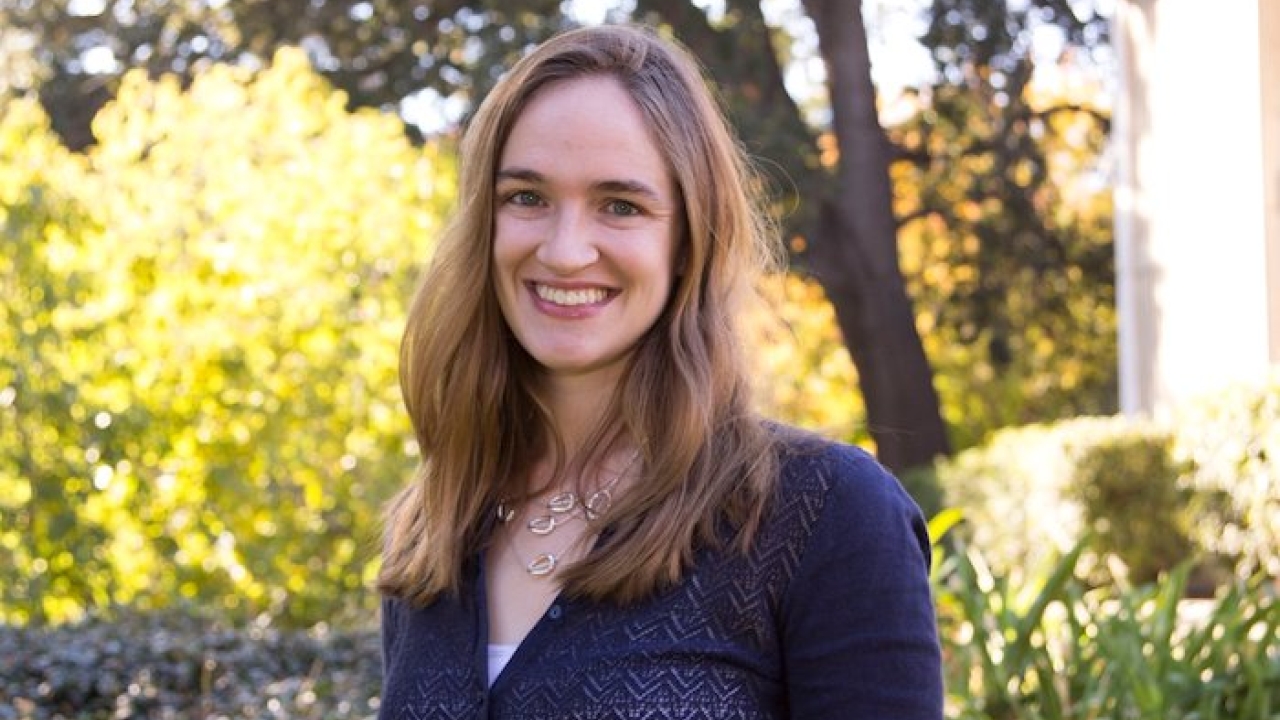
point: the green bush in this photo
(1231, 444)
(1202, 483)
(182, 663)
(201, 317)
(1014, 492)
(921, 483)
(1128, 486)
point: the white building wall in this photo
(1269, 46)
(1193, 198)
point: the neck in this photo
(578, 407)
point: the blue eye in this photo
(622, 208)
(525, 198)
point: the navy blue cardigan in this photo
(829, 616)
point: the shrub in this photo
(1128, 487)
(198, 393)
(180, 664)
(1204, 482)
(1014, 494)
(921, 483)
(1231, 442)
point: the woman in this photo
(600, 526)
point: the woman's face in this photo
(586, 230)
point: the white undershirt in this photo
(499, 656)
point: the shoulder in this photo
(836, 497)
(840, 477)
(859, 633)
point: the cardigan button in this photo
(555, 612)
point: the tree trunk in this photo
(854, 252)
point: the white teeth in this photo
(571, 297)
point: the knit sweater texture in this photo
(828, 617)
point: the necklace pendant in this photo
(563, 502)
(597, 505)
(542, 525)
(506, 513)
(543, 564)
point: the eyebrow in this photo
(623, 187)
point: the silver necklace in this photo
(560, 509)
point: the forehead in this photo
(584, 124)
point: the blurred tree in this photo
(853, 250)
(1007, 218)
(43, 426)
(204, 396)
(807, 376)
(378, 51)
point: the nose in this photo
(569, 245)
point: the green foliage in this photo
(379, 52)
(1203, 484)
(1013, 492)
(1032, 493)
(41, 423)
(1232, 442)
(806, 376)
(1006, 240)
(921, 483)
(1056, 648)
(805, 373)
(1128, 487)
(202, 397)
(184, 663)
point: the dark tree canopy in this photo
(378, 51)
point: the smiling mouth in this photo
(570, 298)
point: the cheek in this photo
(665, 269)
(510, 244)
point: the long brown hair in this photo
(706, 461)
